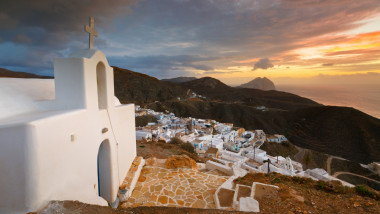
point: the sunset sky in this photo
(289, 41)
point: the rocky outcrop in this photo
(181, 161)
(260, 83)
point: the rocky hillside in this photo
(13, 74)
(215, 90)
(260, 83)
(339, 131)
(133, 87)
(180, 79)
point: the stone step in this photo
(240, 192)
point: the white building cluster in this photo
(231, 145)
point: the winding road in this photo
(336, 174)
(328, 164)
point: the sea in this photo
(365, 98)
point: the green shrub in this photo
(276, 180)
(188, 147)
(363, 191)
(301, 180)
(176, 140)
(321, 185)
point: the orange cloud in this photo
(247, 60)
(346, 45)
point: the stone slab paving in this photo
(214, 172)
(182, 187)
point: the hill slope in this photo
(339, 131)
(260, 83)
(13, 74)
(215, 90)
(133, 87)
(179, 79)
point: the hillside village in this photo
(232, 153)
(226, 144)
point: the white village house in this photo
(78, 146)
(277, 138)
(141, 135)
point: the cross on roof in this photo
(92, 32)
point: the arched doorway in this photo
(104, 171)
(101, 85)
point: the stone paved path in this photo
(174, 188)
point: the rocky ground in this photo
(301, 195)
(295, 195)
(162, 150)
(75, 207)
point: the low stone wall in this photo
(131, 179)
(240, 192)
(316, 175)
(250, 169)
(231, 156)
(201, 166)
(211, 165)
(254, 184)
(136, 177)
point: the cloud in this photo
(264, 63)
(355, 75)
(20, 38)
(229, 71)
(327, 64)
(353, 52)
(41, 29)
(55, 23)
(163, 66)
(235, 30)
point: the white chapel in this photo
(78, 146)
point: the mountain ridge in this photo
(179, 79)
(5, 73)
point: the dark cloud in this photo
(20, 38)
(58, 18)
(263, 64)
(34, 32)
(328, 64)
(221, 29)
(163, 66)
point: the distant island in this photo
(259, 83)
